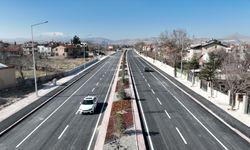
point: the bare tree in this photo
(43, 65)
(3, 57)
(21, 63)
(173, 45)
(139, 45)
(236, 73)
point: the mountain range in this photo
(236, 37)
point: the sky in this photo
(121, 19)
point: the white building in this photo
(202, 50)
(194, 50)
(44, 50)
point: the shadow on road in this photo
(151, 133)
(99, 107)
(142, 99)
(133, 132)
(155, 111)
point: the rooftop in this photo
(2, 65)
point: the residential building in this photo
(9, 50)
(44, 50)
(68, 51)
(193, 50)
(202, 50)
(110, 47)
(27, 48)
(7, 77)
(147, 48)
(211, 46)
(3, 44)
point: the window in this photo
(88, 102)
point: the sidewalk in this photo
(219, 100)
(30, 98)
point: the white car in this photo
(88, 105)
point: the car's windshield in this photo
(87, 102)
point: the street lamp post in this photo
(33, 54)
(181, 57)
(156, 51)
(84, 55)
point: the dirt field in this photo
(55, 65)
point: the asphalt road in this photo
(58, 125)
(172, 120)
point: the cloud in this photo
(53, 34)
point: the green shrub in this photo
(122, 94)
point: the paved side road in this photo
(173, 119)
(58, 125)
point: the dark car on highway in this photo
(147, 69)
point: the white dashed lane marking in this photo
(167, 114)
(159, 101)
(153, 91)
(149, 85)
(181, 135)
(63, 132)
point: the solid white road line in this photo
(143, 115)
(167, 114)
(187, 108)
(57, 108)
(63, 132)
(99, 117)
(153, 91)
(159, 101)
(181, 135)
(149, 85)
(93, 90)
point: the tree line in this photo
(222, 66)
